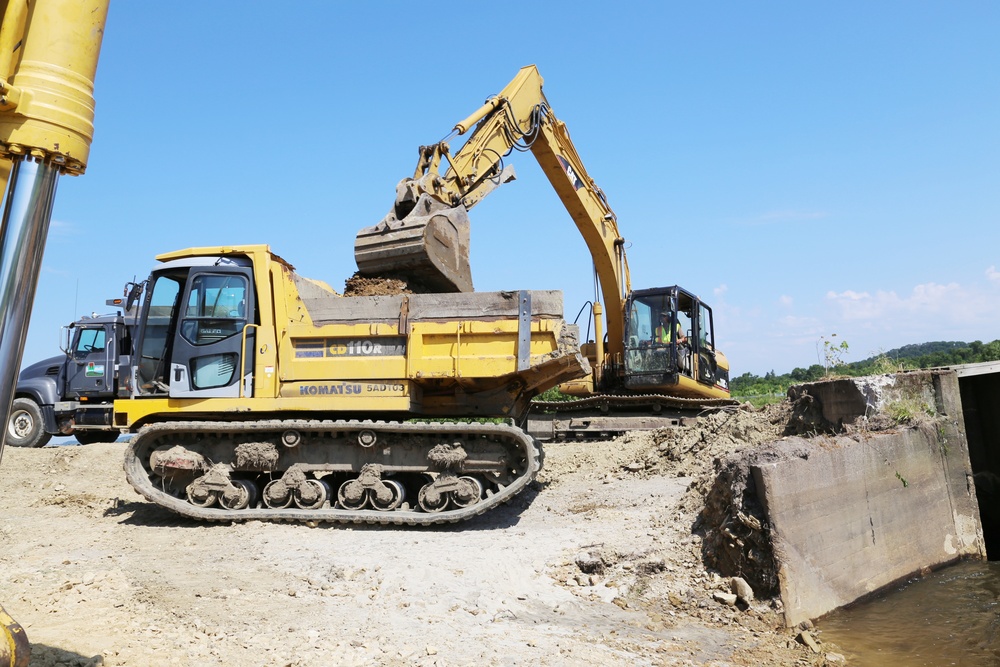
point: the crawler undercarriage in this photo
(343, 471)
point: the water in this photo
(950, 617)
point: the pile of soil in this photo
(386, 285)
(601, 561)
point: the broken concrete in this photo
(826, 520)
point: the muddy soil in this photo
(387, 285)
(600, 562)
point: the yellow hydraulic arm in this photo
(518, 118)
(48, 59)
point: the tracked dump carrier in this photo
(259, 394)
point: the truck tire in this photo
(93, 437)
(25, 426)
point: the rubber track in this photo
(142, 443)
(632, 402)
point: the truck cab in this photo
(73, 393)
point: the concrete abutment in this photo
(879, 484)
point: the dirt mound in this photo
(387, 285)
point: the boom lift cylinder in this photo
(48, 58)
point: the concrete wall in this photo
(980, 385)
(850, 514)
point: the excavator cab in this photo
(670, 343)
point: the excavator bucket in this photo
(429, 244)
(15, 650)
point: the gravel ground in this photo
(598, 563)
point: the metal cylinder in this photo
(48, 102)
(25, 224)
(15, 649)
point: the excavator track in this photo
(607, 415)
(650, 402)
(397, 473)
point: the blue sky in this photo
(807, 168)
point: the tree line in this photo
(908, 357)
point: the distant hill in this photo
(917, 350)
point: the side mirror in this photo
(65, 334)
(132, 293)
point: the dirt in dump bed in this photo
(385, 285)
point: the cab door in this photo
(208, 356)
(704, 346)
(91, 365)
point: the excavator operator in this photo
(663, 333)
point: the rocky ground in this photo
(600, 562)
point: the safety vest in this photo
(663, 334)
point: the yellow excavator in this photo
(659, 361)
(48, 59)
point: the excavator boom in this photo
(426, 234)
(425, 237)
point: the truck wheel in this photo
(25, 427)
(93, 437)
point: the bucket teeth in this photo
(430, 244)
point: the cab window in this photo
(216, 308)
(89, 341)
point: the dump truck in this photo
(659, 362)
(73, 394)
(256, 393)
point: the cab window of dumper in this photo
(216, 308)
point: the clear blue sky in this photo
(807, 168)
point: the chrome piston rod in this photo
(27, 212)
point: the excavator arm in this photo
(426, 234)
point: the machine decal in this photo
(321, 389)
(94, 370)
(570, 172)
(348, 347)
(349, 388)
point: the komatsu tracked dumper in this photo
(260, 394)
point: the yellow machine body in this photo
(260, 394)
(48, 58)
(449, 355)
